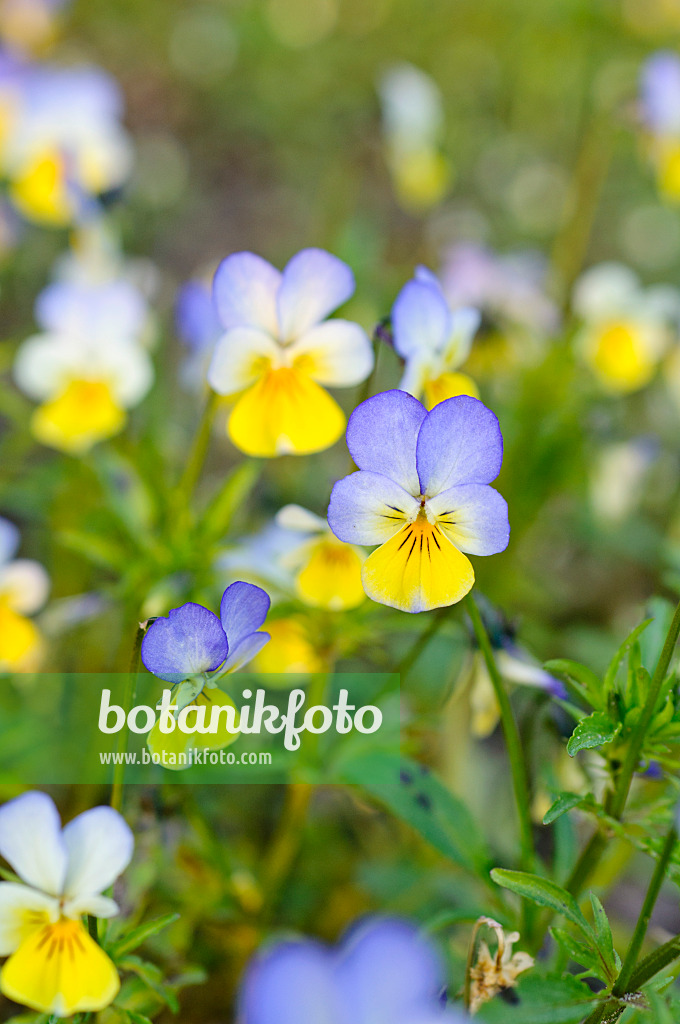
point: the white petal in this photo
(17, 903)
(44, 364)
(299, 519)
(240, 357)
(127, 367)
(419, 368)
(338, 353)
(9, 540)
(244, 289)
(314, 283)
(100, 845)
(24, 584)
(464, 325)
(31, 841)
(97, 906)
(605, 290)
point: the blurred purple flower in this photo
(384, 972)
(660, 93)
(196, 317)
(508, 288)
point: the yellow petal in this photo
(669, 170)
(331, 577)
(40, 191)
(449, 385)
(174, 748)
(621, 358)
(289, 650)
(60, 970)
(20, 642)
(285, 412)
(83, 414)
(421, 178)
(417, 569)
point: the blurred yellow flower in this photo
(24, 586)
(289, 650)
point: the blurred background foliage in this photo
(257, 126)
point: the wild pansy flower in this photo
(660, 114)
(434, 340)
(88, 366)
(413, 123)
(198, 328)
(383, 971)
(626, 329)
(299, 556)
(54, 965)
(422, 493)
(24, 586)
(278, 351)
(193, 649)
(64, 144)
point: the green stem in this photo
(198, 453)
(617, 801)
(513, 740)
(630, 962)
(119, 769)
(421, 642)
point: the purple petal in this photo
(389, 974)
(190, 640)
(475, 518)
(420, 319)
(244, 290)
(368, 508)
(660, 93)
(195, 316)
(291, 984)
(381, 436)
(314, 284)
(246, 650)
(9, 540)
(460, 442)
(243, 609)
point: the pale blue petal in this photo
(660, 93)
(9, 540)
(420, 319)
(196, 317)
(243, 609)
(381, 436)
(368, 508)
(244, 290)
(460, 442)
(389, 974)
(475, 517)
(189, 641)
(291, 984)
(314, 284)
(246, 650)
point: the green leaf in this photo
(587, 684)
(234, 493)
(545, 893)
(137, 1018)
(610, 674)
(135, 938)
(581, 953)
(564, 802)
(103, 553)
(605, 942)
(424, 803)
(552, 999)
(152, 977)
(594, 731)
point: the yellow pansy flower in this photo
(89, 366)
(278, 351)
(24, 586)
(54, 966)
(626, 330)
